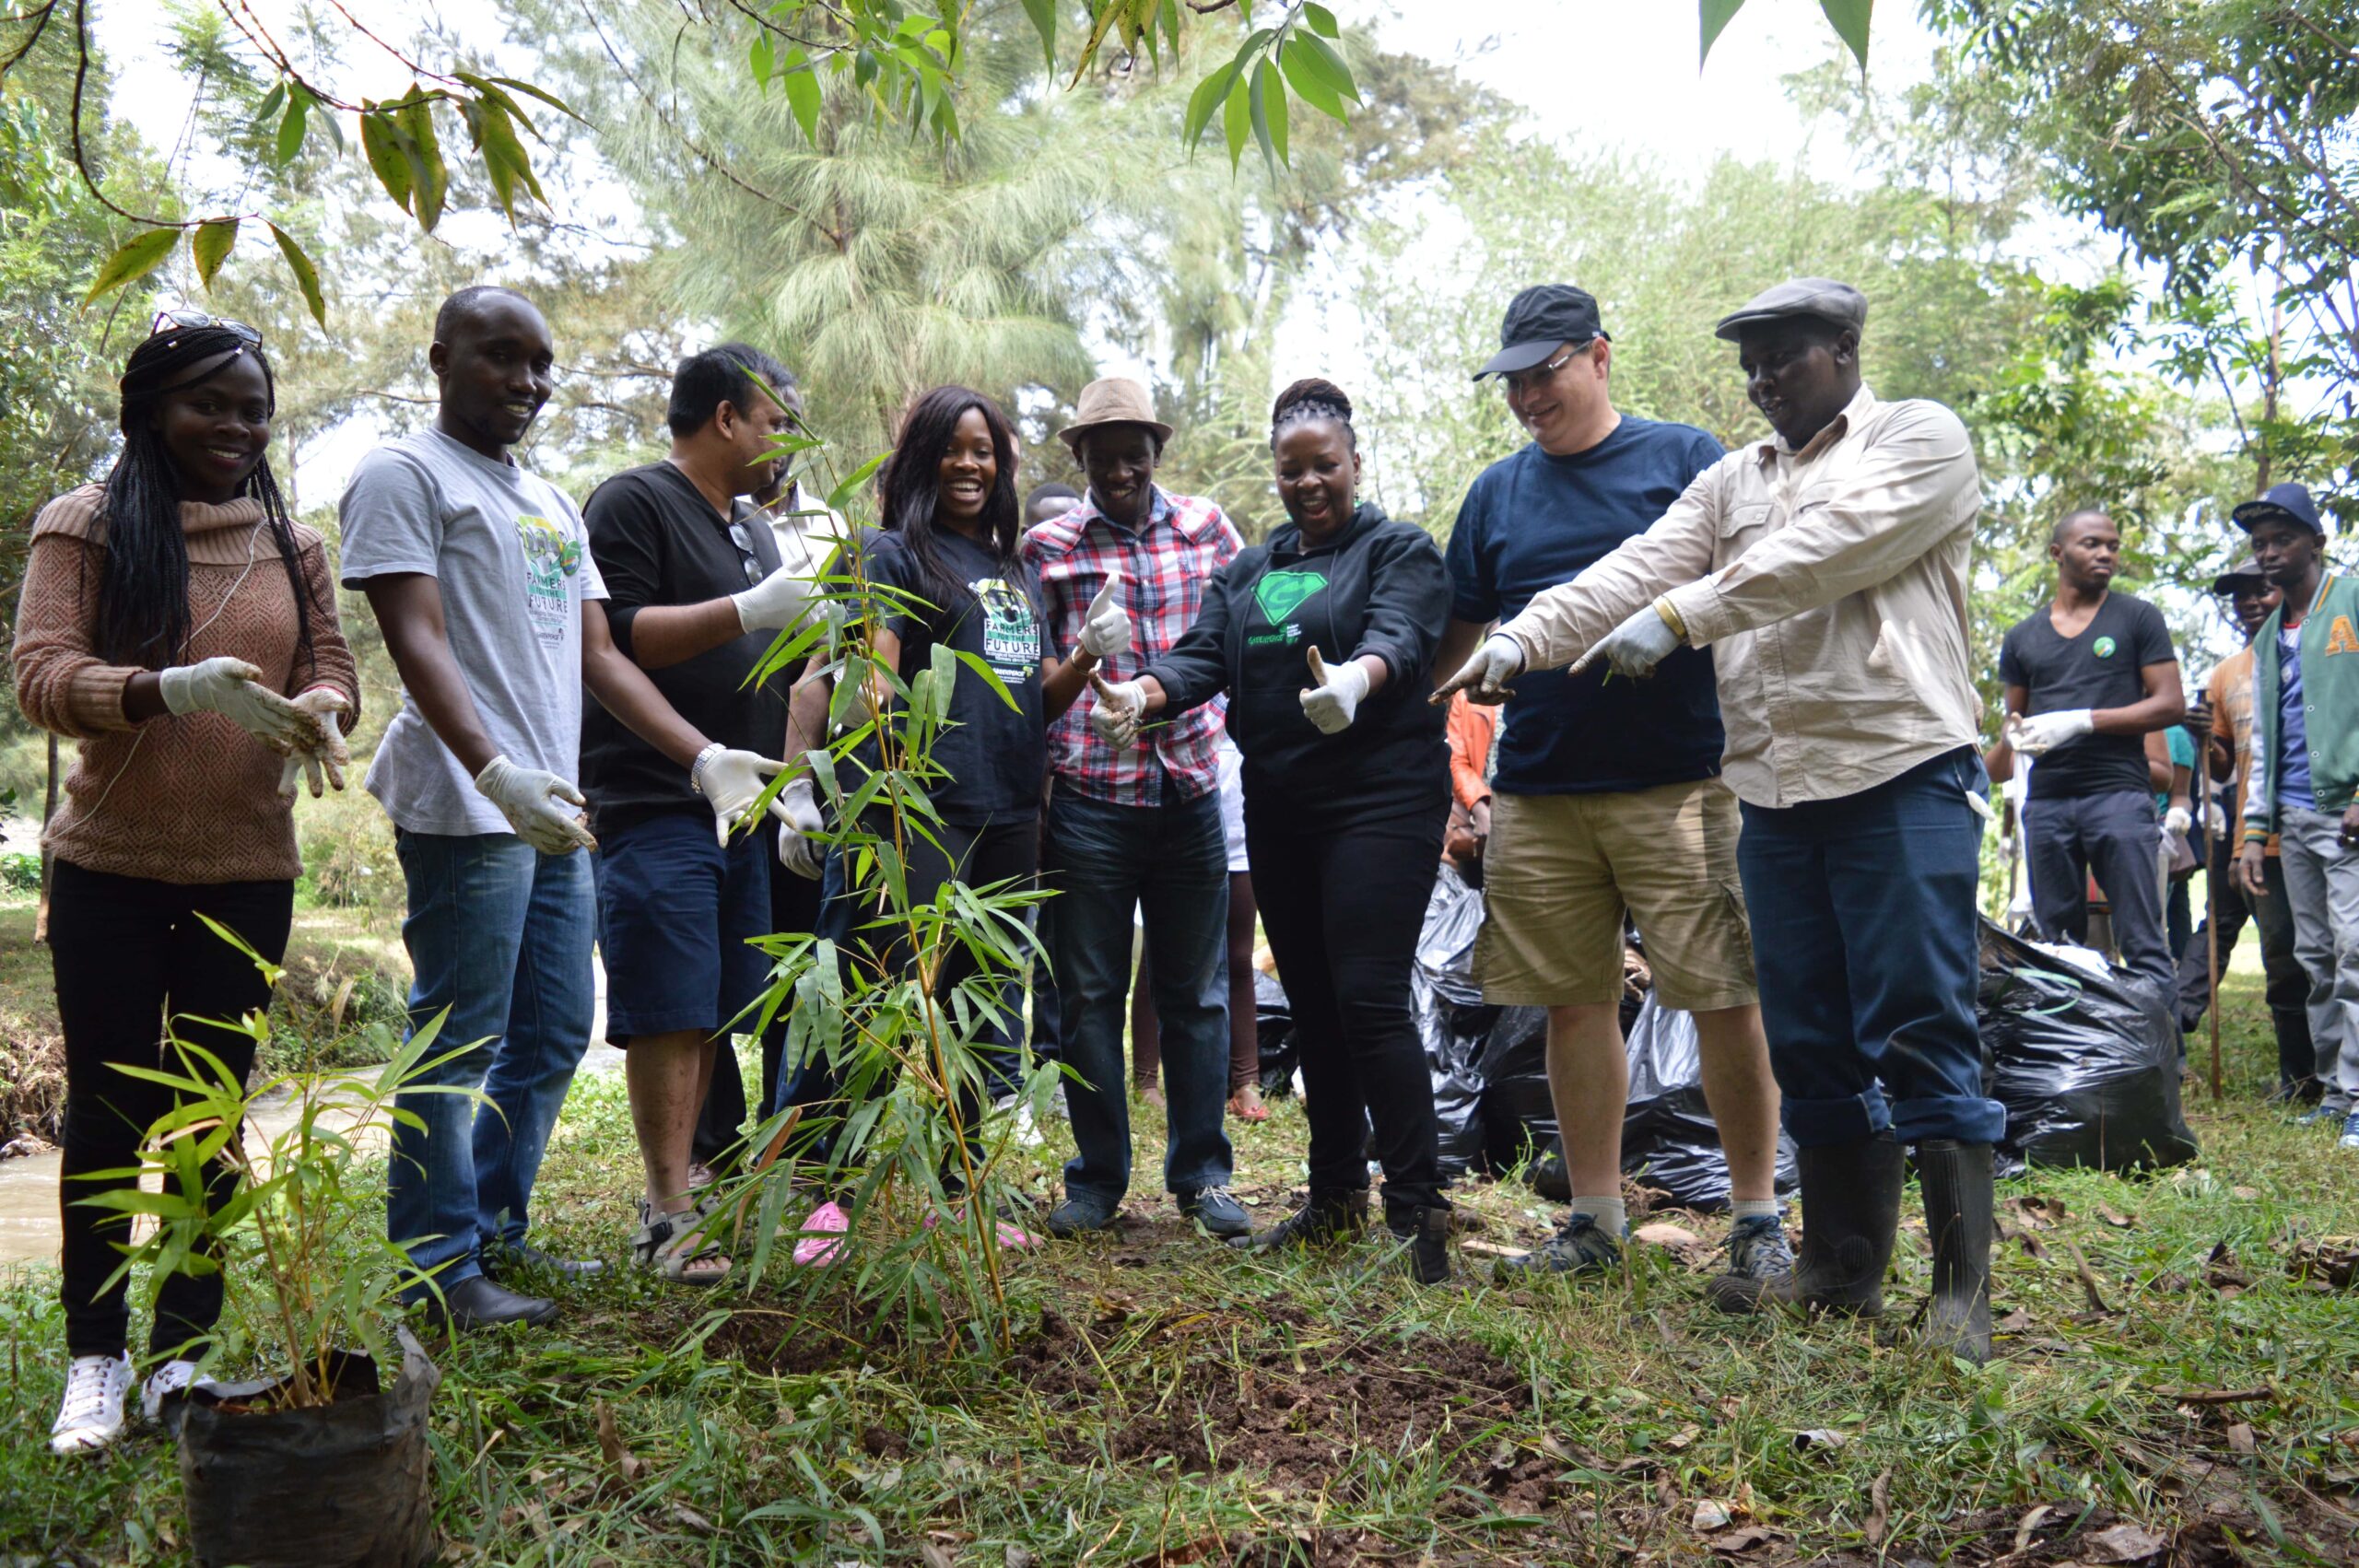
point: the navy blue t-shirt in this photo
(1532, 522)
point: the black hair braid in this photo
(1312, 398)
(143, 609)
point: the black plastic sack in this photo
(1451, 1021)
(343, 1486)
(1281, 1053)
(2086, 1064)
(1669, 1139)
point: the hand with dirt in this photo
(2250, 871)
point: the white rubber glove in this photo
(797, 850)
(535, 803)
(1335, 702)
(330, 758)
(1635, 647)
(777, 601)
(1485, 677)
(1116, 713)
(2042, 733)
(730, 780)
(1105, 626)
(232, 688)
(2216, 818)
(2177, 821)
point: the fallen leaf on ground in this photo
(691, 1518)
(2030, 1523)
(2015, 1322)
(2248, 1193)
(1662, 1232)
(1878, 1510)
(2123, 1543)
(627, 1467)
(937, 1556)
(2240, 1437)
(1683, 1437)
(2118, 1221)
(1709, 1516)
(1750, 1538)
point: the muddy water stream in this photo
(29, 1195)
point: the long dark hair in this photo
(143, 614)
(909, 490)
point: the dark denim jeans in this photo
(1865, 940)
(499, 933)
(1103, 861)
(2118, 836)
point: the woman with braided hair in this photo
(1323, 639)
(183, 628)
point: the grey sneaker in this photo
(2350, 1139)
(1761, 1266)
(1580, 1249)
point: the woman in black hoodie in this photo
(1347, 794)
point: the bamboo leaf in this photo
(381, 142)
(307, 277)
(209, 247)
(1712, 16)
(1236, 122)
(139, 256)
(1268, 104)
(429, 175)
(1850, 19)
(1210, 94)
(529, 90)
(290, 127)
(1044, 22)
(762, 56)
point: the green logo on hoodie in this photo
(1280, 594)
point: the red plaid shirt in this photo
(1165, 567)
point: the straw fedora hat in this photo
(1112, 400)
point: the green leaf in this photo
(307, 277)
(1269, 110)
(1850, 19)
(529, 90)
(1210, 94)
(1237, 122)
(1322, 20)
(429, 176)
(1330, 63)
(1713, 16)
(209, 247)
(139, 256)
(840, 499)
(1308, 85)
(290, 128)
(381, 144)
(273, 102)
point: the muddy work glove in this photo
(1105, 626)
(1119, 707)
(1335, 702)
(798, 850)
(1485, 677)
(324, 764)
(233, 688)
(1636, 647)
(544, 811)
(2042, 733)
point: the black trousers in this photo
(128, 952)
(1342, 906)
(794, 907)
(2288, 985)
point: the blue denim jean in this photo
(499, 933)
(1170, 861)
(1866, 941)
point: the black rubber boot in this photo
(1427, 1232)
(1327, 1217)
(1850, 1213)
(1956, 1180)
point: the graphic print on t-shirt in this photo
(2102, 647)
(1280, 594)
(551, 554)
(1011, 632)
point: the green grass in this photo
(1171, 1402)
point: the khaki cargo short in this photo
(1560, 869)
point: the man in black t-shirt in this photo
(2088, 678)
(698, 595)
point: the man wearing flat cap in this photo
(1607, 797)
(1827, 572)
(2227, 715)
(1136, 825)
(2305, 782)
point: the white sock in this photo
(1742, 1208)
(1607, 1211)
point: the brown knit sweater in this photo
(181, 798)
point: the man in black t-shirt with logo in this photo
(2088, 677)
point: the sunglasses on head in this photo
(188, 320)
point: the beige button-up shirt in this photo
(1830, 584)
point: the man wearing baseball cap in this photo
(1136, 825)
(1827, 570)
(1607, 797)
(2305, 782)
(2226, 725)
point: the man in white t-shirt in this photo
(480, 576)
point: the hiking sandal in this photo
(678, 1246)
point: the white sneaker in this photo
(91, 1414)
(173, 1377)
